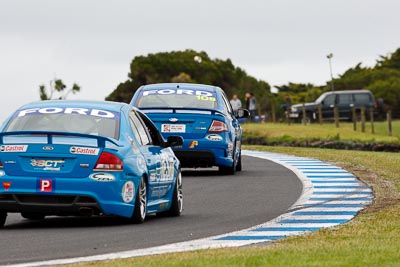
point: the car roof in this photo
(189, 86)
(108, 105)
(348, 91)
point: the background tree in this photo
(57, 90)
(192, 67)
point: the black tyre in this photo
(177, 198)
(239, 163)
(227, 170)
(139, 214)
(32, 216)
(3, 217)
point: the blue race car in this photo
(86, 158)
(202, 115)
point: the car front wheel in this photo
(3, 217)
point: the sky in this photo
(92, 42)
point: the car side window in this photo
(362, 99)
(345, 99)
(329, 100)
(227, 104)
(141, 133)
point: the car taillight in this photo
(109, 162)
(1, 165)
(218, 126)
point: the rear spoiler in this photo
(101, 140)
(174, 109)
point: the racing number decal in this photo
(206, 98)
(166, 169)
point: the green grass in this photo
(328, 131)
(371, 239)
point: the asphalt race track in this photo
(214, 204)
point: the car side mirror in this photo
(174, 141)
(242, 113)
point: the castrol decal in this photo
(84, 150)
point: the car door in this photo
(234, 126)
(345, 103)
(327, 106)
(159, 162)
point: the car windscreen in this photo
(177, 98)
(69, 120)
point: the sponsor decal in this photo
(2, 173)
(166, 171)
(46, 185)
(152, 176)
(230, 150)
(173, 128)
(214, 137)
(173, 119)
(141, 163)
(84, 150)
(128, 192)
(102, 177)
(47, 148)
(47, 164)
(193, 144)
(13, 148)
(81, 111)
(6, 185)
(177, 92)
(160, 191)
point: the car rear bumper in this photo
(203, 158)
(71, 196)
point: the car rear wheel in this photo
(32, 216)
(3, 217)
(177, 198)
(239, 163)
(139, 214)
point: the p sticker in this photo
(45, 185)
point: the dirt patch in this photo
(385, 191)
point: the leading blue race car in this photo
(203, 116)
(86, 158)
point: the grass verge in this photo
(280, 132)
(371, 239)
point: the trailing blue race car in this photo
(86, 158)
(203, 116)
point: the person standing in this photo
(235, 103)
(251, 105)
